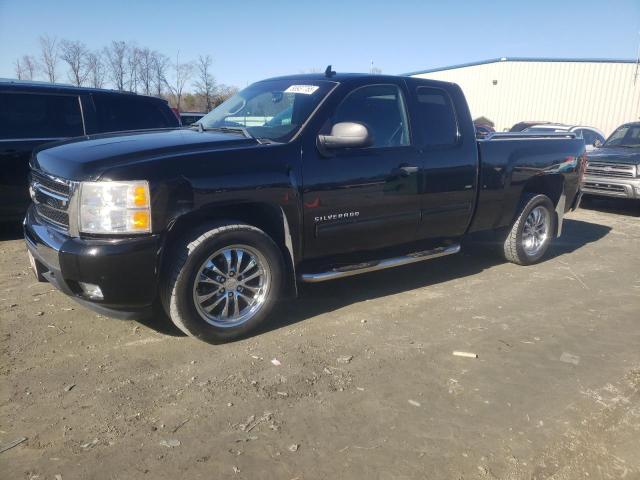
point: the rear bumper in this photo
(125, 270)
(611, 187)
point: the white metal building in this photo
(591, 92)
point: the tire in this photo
(530, 235)
(219, 256)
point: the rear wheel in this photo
(531, 233)
(223, 282)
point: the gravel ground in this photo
(366, 385)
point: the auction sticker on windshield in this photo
(304, 89)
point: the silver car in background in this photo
(593, 138)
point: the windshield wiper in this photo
(265, 140)
(242, 130)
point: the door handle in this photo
(404, 170)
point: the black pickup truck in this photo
(301, 178)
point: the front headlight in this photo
(115, 207)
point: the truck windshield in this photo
(273, 109)
(625, 136)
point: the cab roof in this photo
(340, 77)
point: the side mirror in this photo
(597, 143)
(345, 135)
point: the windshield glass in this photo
(274, 109)
(624, 136)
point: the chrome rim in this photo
(231, 286)
(536, 231)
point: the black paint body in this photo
(306, 201)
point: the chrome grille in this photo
(51, 197)
(612, 170)
(605, 187)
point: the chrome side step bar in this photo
(372, 266)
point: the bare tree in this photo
(116, 56)
(74, 53)
(133, 60)
(49, 56)
(222, 93)
(145, 69)
(183, 72)
(19, 69)
(206, 83)
(95, 69)
(159, 65)
(28, 67)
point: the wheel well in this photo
(552, 186)
(549, 185)
(268, 218)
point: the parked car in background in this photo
(613, 170)
(338, 175)
(34, 113)
(593, 137)
(520, 126)
(189, 118)
(483, 129)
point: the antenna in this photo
(328, 72)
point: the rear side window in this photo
(31, 115)
(589, 136)
(436, 116)
(119, 113)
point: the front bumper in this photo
(611, 187)
(125, 269)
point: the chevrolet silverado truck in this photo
(304, 178)
(613, 170)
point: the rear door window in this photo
(589, 136)
(119, 113)
(32, 115)
(436, 117)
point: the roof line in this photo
(63, 86)
(522, 59)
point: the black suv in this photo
(34, 113)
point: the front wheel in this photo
(532, 231)
(223, 282)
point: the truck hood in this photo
(87, 158)
(630, 156)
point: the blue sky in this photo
(250, 40)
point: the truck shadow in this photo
(478, 254)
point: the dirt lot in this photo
(367, 385)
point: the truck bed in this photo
(512, 163)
